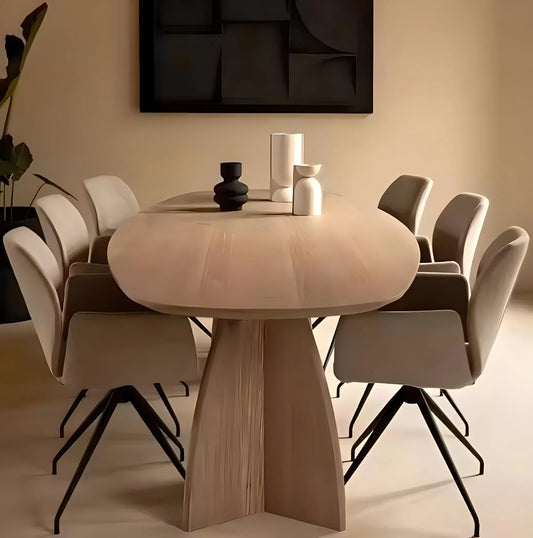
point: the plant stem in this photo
(33, 199)
(12, 193)
(4, 203)
(8, 115)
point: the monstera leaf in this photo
(17, 51)
(14, 160)
(14, 52)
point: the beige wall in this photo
(438, 87)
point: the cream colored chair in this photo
(67, 236)
(405, 199)
(421, 349)
(112, 202)
(455, 238)
(85, 347)
(455, 235)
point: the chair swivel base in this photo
(157, 386)
(104, 410)
(428, 408)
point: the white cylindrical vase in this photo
(307, 197)
(286, 150)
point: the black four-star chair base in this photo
(104, 410)
(428, 408)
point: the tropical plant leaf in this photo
(15, 53)
(6, 157)
(6, 147)
(30, 26)
(50, 182)
(22, 159)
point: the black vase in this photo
(230, 194)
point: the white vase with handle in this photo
(286, 150)
(307, 197)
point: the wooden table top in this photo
(184, 256)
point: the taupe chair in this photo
(430, 348)
(455, 238)
(112, 202)
(126, 348)
(455, 235)
(67, 236)
(405, 199)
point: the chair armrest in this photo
(99, 249)
(436, 291)
(426, 252)
(95, 292)
(83, 268)
(439, 267)
(421, 349)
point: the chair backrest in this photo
(64, 229)
(495, 281)
(40, 280)
(405, 199)
(111, 202)
(458, 228)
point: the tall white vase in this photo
(307, 197)
(286, 150)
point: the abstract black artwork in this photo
(256, 55)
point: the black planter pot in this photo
(12, 305)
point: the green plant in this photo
(16, 159)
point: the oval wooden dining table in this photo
(264, 436)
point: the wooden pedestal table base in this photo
(264, 436)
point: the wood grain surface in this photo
(184, 256)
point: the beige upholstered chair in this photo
(455, 235)
(126, 348)
(428, 348)
(405, 199)
(67, 236)
(111, 202)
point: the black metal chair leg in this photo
(170, 410)
(338, 392)
(439, 413)
(317, 322)
(426, 413)
(386, 416)
(368, 389)
(149, 417)
(148, 410)
(201, 326)
(99, 430)
(328, 354)
(446, 394)
(71, 410)
(186, 387)
(89, 419)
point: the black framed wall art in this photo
(256, 55)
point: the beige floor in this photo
(402, 490)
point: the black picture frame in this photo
(256, 56)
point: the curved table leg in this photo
(264, 435)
